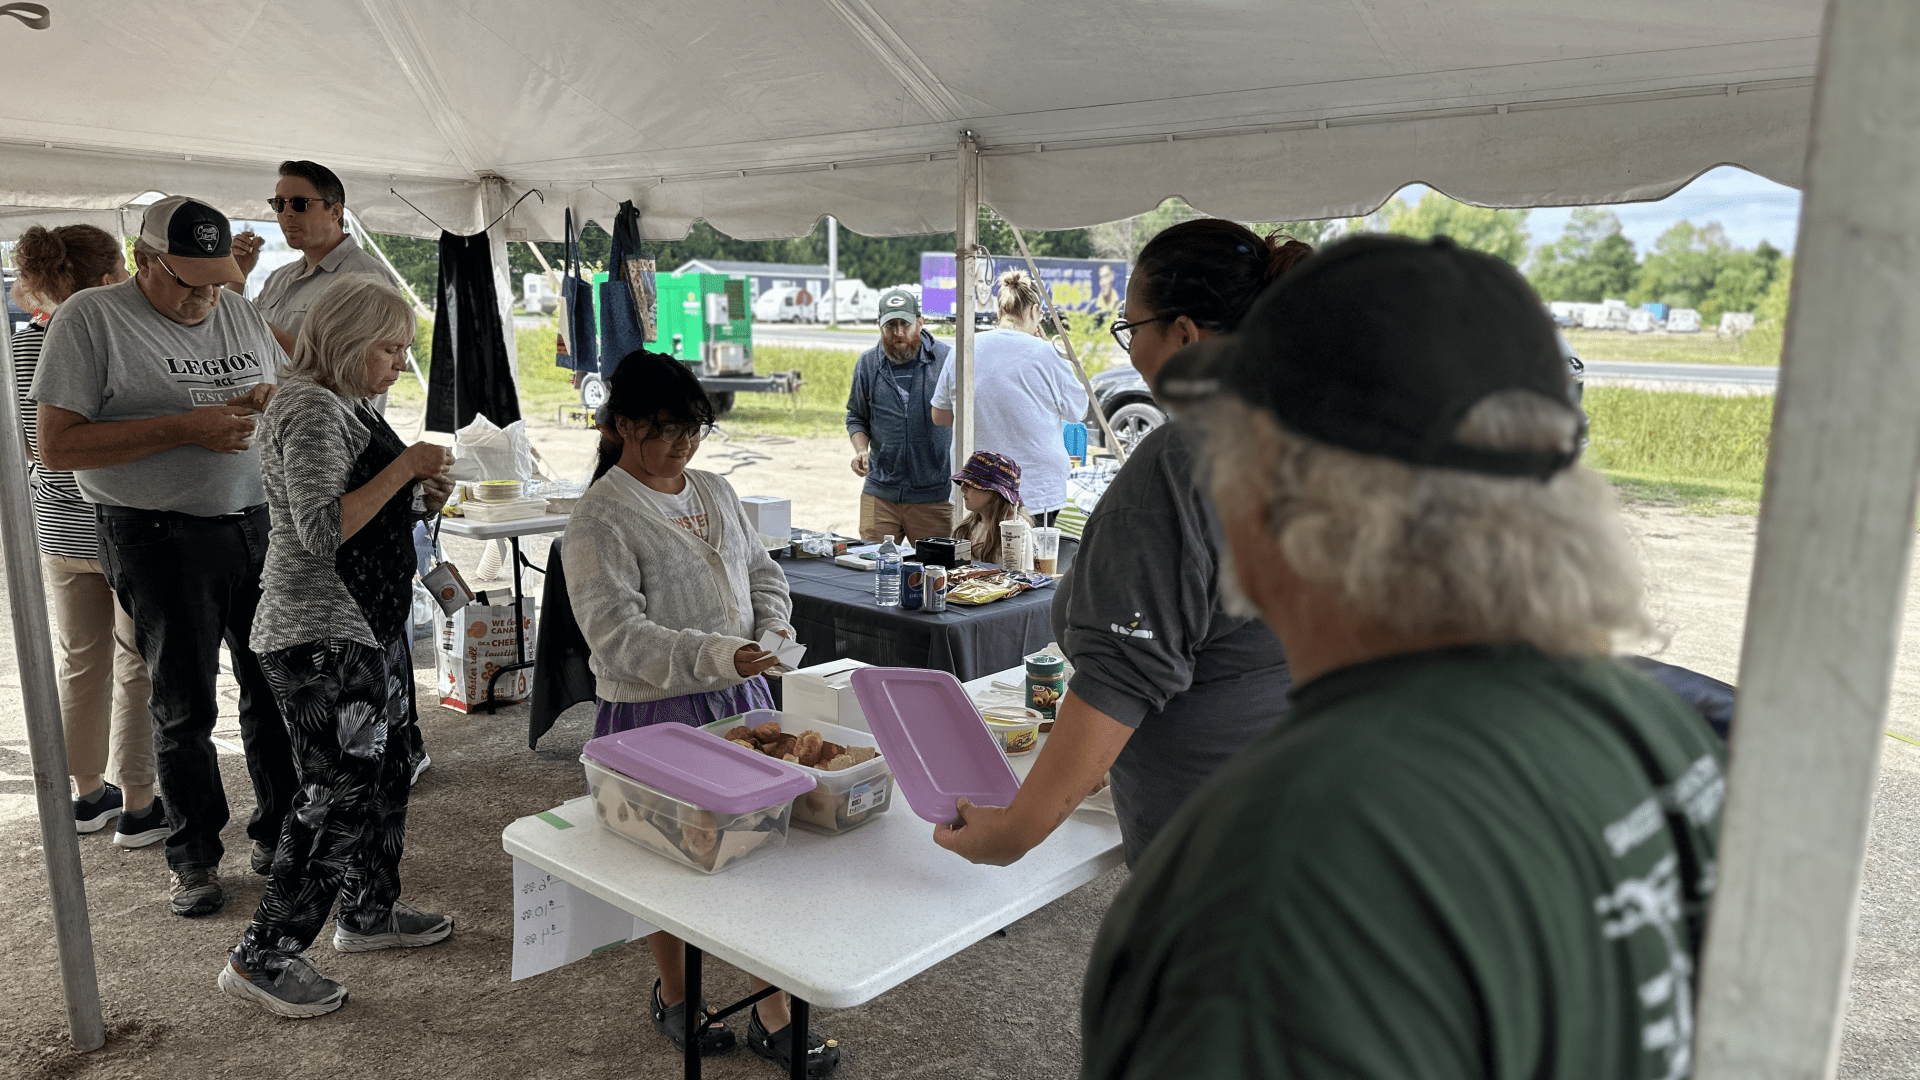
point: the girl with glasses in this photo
(672, 589)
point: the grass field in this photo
(1703, 452)
(1620, 346)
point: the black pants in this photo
(348, 707)
(190, 583)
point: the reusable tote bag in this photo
(639, 272)
(577, 332)
(620, 331)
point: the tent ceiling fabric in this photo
(761, 117)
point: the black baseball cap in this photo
(196, 239)
(1381, 345)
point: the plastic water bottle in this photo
(886, 578)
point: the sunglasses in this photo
(299, 203)
(176, 277)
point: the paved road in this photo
(819, 337)
(1739, 374)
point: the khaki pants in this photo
(905, 522)
(104, 689)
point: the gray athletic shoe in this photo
(196, 892)
(260, 859)
(405, 927)
(296, 990)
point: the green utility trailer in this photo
(705, 320)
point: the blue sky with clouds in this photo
(1751, 208)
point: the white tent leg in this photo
(46, 742)
(833, 272)
(1829, 577)
(966, 241)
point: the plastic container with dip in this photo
(1017, 729)
(841, 799)
(1046, 683)
(691, 796)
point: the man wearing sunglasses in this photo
(148, 390)
(310, 204)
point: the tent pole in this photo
(46, 741)
(833, 272)
(966, 244)
(1829, 581)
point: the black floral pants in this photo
(347, 708)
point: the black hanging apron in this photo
(470, 373)
(377, 563)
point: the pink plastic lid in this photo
(934, 741)
(700, 767)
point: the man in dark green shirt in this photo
(1479, 848)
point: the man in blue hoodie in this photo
(896, 444)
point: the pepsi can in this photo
(911, 583)
(936, 588)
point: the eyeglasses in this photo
(674, 433)
(1123, 331)
(176, 277)
(299, 203)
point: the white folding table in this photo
(905, 904)
(510, 531)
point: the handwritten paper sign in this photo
(555, 923)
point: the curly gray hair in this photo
(1439, 550)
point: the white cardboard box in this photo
(824, 692)
(770, 514)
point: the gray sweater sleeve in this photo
(1139, 601)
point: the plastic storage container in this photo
(840, 800)
(703, 802)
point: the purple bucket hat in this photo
(997, 473)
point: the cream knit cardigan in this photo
(663, 610)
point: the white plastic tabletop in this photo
(501, 530)
(881, 903)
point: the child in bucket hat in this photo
(992, 485)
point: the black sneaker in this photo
(137, 830)
(261, 859)
(196, 892)
(296, 990)
(405, 927)
(91, 814)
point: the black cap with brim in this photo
(1381, 345)
(196, 240)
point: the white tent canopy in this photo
(762, 117)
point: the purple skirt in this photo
(693, 710)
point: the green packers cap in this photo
(194, 238)
(898, 303)
(1381, 345)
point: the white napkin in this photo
(788, 651)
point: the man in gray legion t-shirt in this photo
(148, 391)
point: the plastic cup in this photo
(1046, 549)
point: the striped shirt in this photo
(63, 519)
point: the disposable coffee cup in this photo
(1015, 553)
(1046, 549)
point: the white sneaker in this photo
(419, 767)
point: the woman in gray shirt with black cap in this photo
(1167, 683)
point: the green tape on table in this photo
(554, 819)
(604, 948)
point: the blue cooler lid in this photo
(700, 767)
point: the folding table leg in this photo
(693, 1014)
(802, 1038)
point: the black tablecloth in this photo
(835, 617)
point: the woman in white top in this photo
(1023, 392)
(672, 589)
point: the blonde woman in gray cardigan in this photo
(672, 589)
